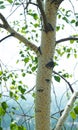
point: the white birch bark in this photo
(66, 111)
(44, 74)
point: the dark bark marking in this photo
(50, 64)
(68, 105)
(40, 90)
(48, 28)
(37, 110)
(39, 49)
(47, 80)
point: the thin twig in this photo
(64, 80)
(6, 37)
(66, 39)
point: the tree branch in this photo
(66, 39)
(6, 37)
(21, 38)
(47, 26)
(66, 111)
(64, 80)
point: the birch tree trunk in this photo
(44, 74)
(45, 60)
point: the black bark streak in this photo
(68, 105)
(52, 1)
(48, 28)
(40, 90)
(37, 110)
(39, 49)
(56, 1)
(50, 65)
(47, 80)
(12, 34)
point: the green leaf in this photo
(20, 82)
(12, 87)
(36, 25)
(23, 97)
(2, 111)
(1, 128)
(10, 1)
(34, 68)
(0, 95)
(69, 49)
(75, 55)
(1, 2)
(64, 18)
(76, 23)
(21, 89)
(34, 95)
(71, 41)
(67, 13)
(4, 105)
(76, 109)
(13, 126)
(23, 74)
(73, 21)
(26, 60)
(59, 16)
(16, 96)
(11, 94)
(2, 7)
(13, 82)
(57, 78)
(35, 16)
(5, 78)
(68, 55)
(21, 128)
(73, 115)
(66, 75)
(57, 28)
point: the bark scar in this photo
(39, 50)
(48, 28)
(47, 80)
(40, 90)
(50, 64)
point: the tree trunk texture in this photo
(45, 60)
(44, 73)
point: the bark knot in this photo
(40, 90)
(48, 27)
(50, 64)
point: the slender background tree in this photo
(40, 58)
